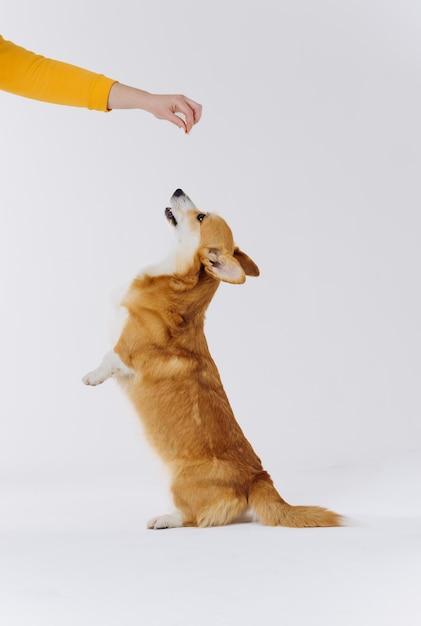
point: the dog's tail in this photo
(272, 510)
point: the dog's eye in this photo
(201, 217)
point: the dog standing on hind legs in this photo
(163, 362)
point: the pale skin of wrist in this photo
(162, 106)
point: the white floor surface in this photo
(73, 555)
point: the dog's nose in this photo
(178, 193)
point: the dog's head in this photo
(206, 237)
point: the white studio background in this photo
(310, 147)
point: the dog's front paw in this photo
(165, 521)
(96, 377)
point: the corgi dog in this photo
(163, 362)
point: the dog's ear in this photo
(222, 266)
(248, 265)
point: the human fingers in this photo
(196, 108)
(177, 120)
(184, 112)
(189, 109)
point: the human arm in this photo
(27, 74)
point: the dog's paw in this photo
(165, 521)
(96, 377)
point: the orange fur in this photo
(177, 391)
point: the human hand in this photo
(178, 109)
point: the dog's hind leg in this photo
(223, 512)
(206, 505)
(110, 365)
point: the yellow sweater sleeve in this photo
(28, 74)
